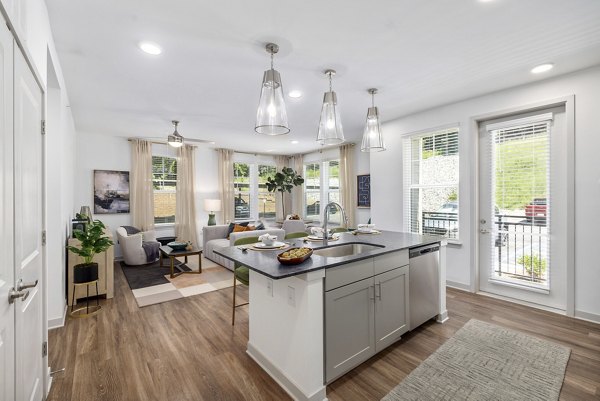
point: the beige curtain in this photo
(142, 193)
(348, 182)
(226, 184)
(281, 162)
(298, 192)
(185, 205)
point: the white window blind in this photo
(431, 175)
(520, 184)
(164, 181)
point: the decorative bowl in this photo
(177, 246)
(293, 261)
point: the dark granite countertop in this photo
(266, 263)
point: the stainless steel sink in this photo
(337, 251)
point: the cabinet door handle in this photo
(372, 297)
(378, 295)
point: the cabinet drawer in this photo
(349, 273)
(390, 261)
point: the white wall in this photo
(386, 168)
(104, 152)
(32, 26)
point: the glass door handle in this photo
(484, 231)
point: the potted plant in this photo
(92, 241)
(283, 182)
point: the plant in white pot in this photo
(92, 241)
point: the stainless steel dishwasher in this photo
(424, 284)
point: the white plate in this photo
(366, 231)
(276, 244)
(315, 238)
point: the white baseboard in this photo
(59, 321)
(458, 286)
(590, 317)
(289, 386)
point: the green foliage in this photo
(453, 197)
(430, 153)
(535, 264)
(92, 241)
(521, 172)
(283, 182)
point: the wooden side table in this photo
(168, 252)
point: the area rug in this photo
(151, 284)
(483, 361)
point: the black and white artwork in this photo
(364, 190)
(111, 191)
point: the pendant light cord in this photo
(373, 99)
(330, 87)
(271, 60)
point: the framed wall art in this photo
(363, 190)
(111, 191)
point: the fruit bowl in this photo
(294, 256)
(177, 246)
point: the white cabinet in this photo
(350, 330)
(391, 307)
(365, 316)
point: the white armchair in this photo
(131, 246)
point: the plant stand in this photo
(87, 310)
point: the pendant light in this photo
(330, 124)
(175, 139)
(372, 140)
(271, 117)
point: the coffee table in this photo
(168, 252)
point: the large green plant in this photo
(283, 182)
(92, 241)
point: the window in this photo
(252, 199)
(164, 182)
(321, 181)
(431, 183)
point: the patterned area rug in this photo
(151, 284)
(483, 361)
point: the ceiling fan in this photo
(176, 140)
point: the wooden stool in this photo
(94, 308)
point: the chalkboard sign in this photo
(364, 190)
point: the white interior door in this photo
(28, 230)
(7, 273)
(522, 207)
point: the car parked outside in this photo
(536, 210)
(242, 209)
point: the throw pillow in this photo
(261, 226)
(250, 228)
(232, 225)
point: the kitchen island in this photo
(303, 318)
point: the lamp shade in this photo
(330, 124)
(212, 205)
(372, 140)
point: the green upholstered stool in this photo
(240, 273)
(339, 230)
(299, 234)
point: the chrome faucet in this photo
(326, 219)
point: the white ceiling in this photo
(420, 54)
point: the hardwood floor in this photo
(187, 350)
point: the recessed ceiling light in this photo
(295, 142)
(269, 150)
(295, 94)
(542, 68)
(150, 48)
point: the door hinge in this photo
(44, 238)
(43, 127)
(44, 349)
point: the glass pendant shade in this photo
(175, 139)
(372, 140)
(271, 117)
(330, 124)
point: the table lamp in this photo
(212, 206)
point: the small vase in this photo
(84, 273)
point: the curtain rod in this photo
(288, 156)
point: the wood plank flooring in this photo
(187, 350)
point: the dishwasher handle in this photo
(424, 250)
